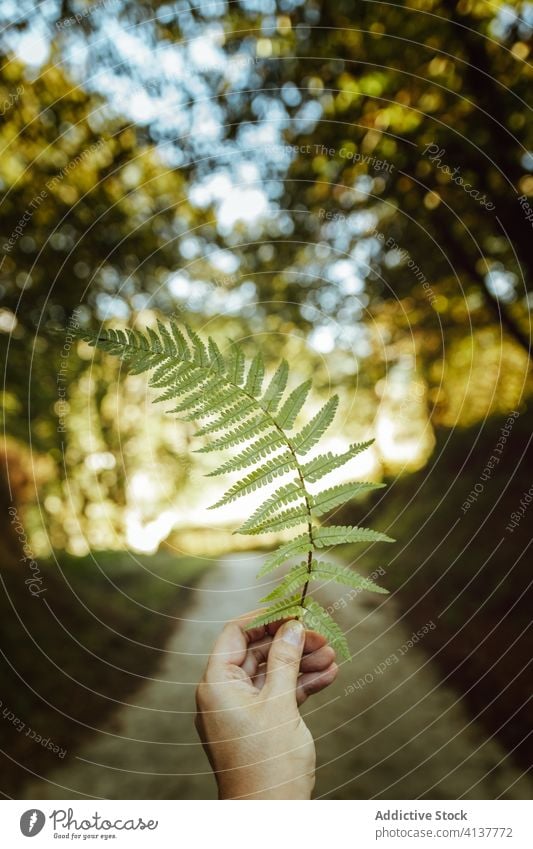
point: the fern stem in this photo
(309, 525)
(302, 484)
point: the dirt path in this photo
(398, 734)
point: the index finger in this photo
(231, 644)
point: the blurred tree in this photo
(89, 217)
(403, 205)
(364, 172)
(415, 160)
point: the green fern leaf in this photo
(144, 363)
(254, 381)
(293, 580)
(236, 414)
(236, 363)
(259, 477)
(168, 344)
(232, 408)
(255, 452)
(165, 376)
(286, 609)
(342, 575)
(341, 534)
(136, 340)
(215, 357)
(182, 347)
(221, 398)
(182, 383)
(320, 571)
(325, 463)
(325, 501)
(276, 387)
(281, 497)
(292, 406)
(241, 434)
(286, 519)
(200, 355)
(299, 545)
(198, 397)
(155, 341)
(318, 619)
(311, 433)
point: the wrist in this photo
(265, 786)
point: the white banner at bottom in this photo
(249, 825)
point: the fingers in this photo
(313, 682)
(256, 656)
(246, 651)
(283, 663)
(231, 645)
(228, 652)
(318, 660)
(318, 655)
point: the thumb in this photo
(283, 664)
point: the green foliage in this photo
(232, 407)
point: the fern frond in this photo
(318, 619)
(254, 380)
(281, 521)
(198, 396)
(232, 408)
(259, 477)
(215, 356)
(143, 363)
(182, 347)
(292, 406)
(341, 534)
(321, 571)
(276, 387)
(200, 355)
(311, 433)
(280, 498)
(293, 580)
(236, 363)
(136, 339)
(255, 452)
(155, 342)
(184, 381)
(325, 463)
(286, 609)
(165, 376)
(221, 399)
(325, 501)
(242, 433)
(237, 413)
(300, 545)
(168, 343)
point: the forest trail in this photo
(399, 735)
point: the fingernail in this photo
(293, 632)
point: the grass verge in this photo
(461, 567)
(73, 653)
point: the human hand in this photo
(248, 719)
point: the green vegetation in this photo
(468, 570)
(232, 405)
(76, 653)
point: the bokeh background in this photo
(348, 185)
